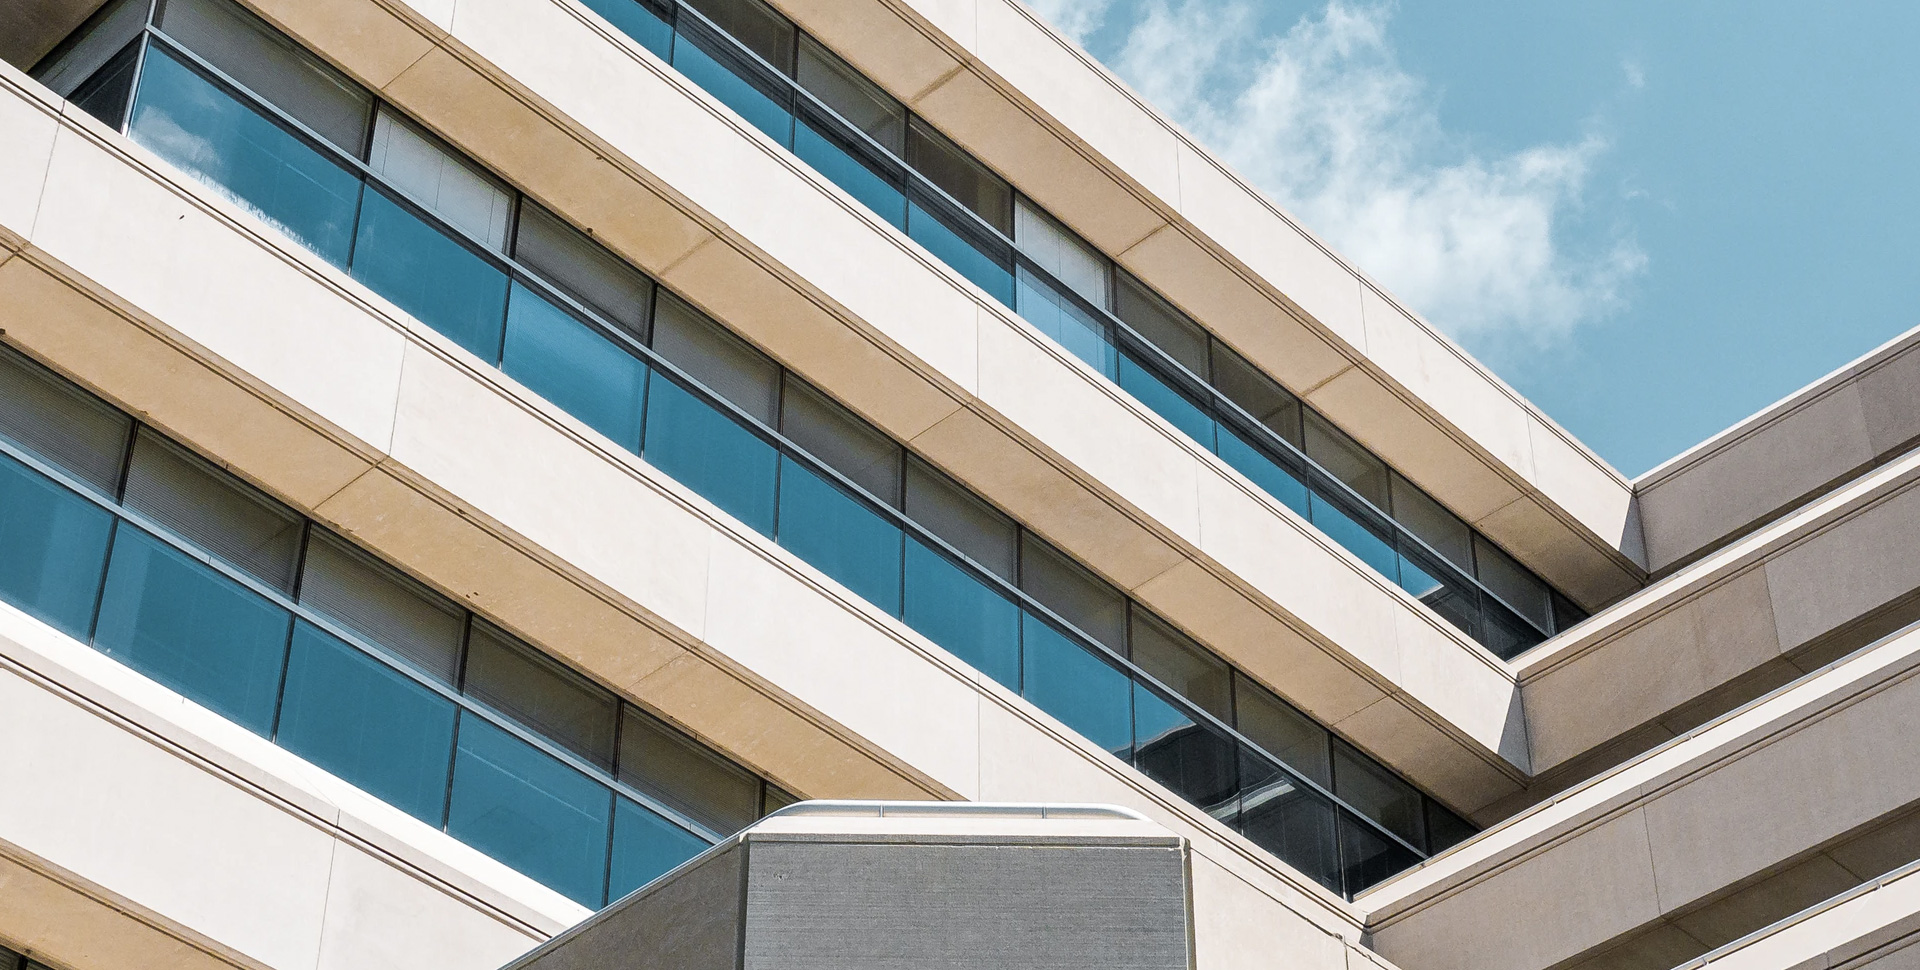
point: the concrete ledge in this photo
(1862, 415)
(50, 910)
(1069, 134)
(139, 823)
(1780, 602)
(1743, 796)
(313, 408)
(545, 93)
(1876, 925)
(1838, 870)
(639, 583)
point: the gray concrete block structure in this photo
(842, 483)
(877, 885)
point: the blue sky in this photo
(1652, 218)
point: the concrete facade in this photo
(1648, 856)
(1815, 439)
(1711, 770)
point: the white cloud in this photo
(1636, 75)
(1325, 121)
(1075, 18)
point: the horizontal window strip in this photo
(581, 328)
(363, 672)
(973, 221)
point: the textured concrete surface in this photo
(140, 829)
(937, 892)
(1863, 414)
(1109, 482)
(642, 585)
(1757, 614)
(689, 920)
(1750, 797)
(1071, 136)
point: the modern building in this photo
(465, 461)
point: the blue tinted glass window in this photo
(440, 282)
(1182, 413)
(270, 65)
(1503, 631)
(645, 847)
(1355, 538)
(61, 424)
(726, 74)
(1457, 605)
(955, 250)
(1262, 471)
(1369, 856)
(1512, 583)
(840, 536)
(1067, 681)
(960, 175)
(830, 157)
(1376, 793)
(1300, 742)
(1566, 613)
(1416, 580)
(53, 545)
(1445, 829)
(178, 621)
(1193, 760)
(1060, 318)
(530, 810)
(638, 21)
(685, 777)
(575, 366)
(367, 723)
(959, 612)
(206, 132)
(711, 453)
(1282, 816)
(752, 24)
(1427, 580)
(104, 95)
(862, 106)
